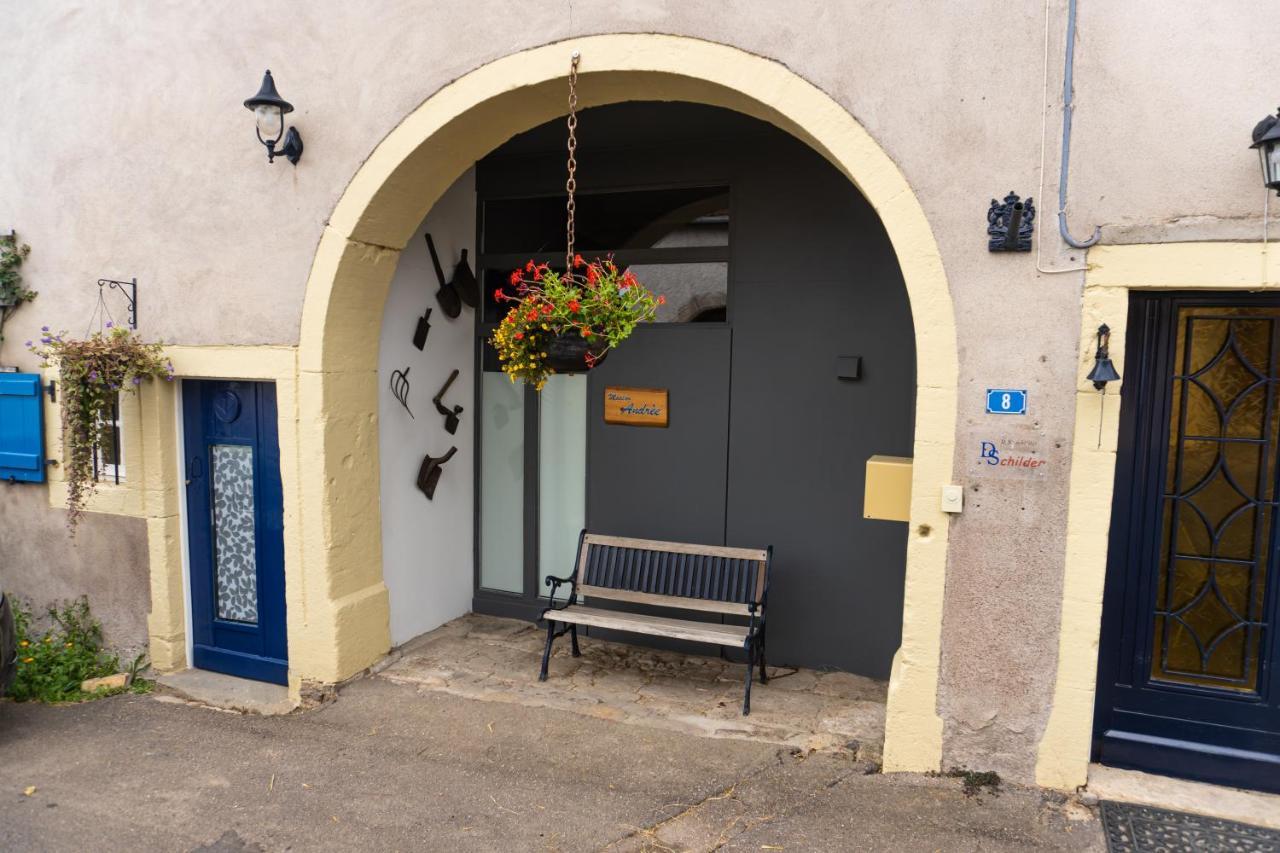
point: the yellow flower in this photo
(24, 644)
(28, 660)
(48, 639)
(68, 645)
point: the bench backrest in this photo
(712, 578)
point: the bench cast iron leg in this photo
(751, 665)
(546, 653)
(764, 676)
(573, 634)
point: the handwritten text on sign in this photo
(636, 406)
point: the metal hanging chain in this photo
(102, 314)
(571, 184)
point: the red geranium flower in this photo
(519, 336)
(577, 260)
(497, 295)
(574, 305)
(528, 267)
(532, 315)
(546, 310)
(515, 276)
(662, 300)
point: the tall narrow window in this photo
(108, 455)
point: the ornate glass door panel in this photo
(1210, 591)
(1190, 608)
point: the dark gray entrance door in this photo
(663, 483)
(769, 432)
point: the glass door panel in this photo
(501, 484)
(562, 474)
(234, 551)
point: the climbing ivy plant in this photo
(93, 373)
(12, 291)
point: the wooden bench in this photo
(700, 578)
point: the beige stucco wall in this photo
(128, 153)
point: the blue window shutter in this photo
(21, 428)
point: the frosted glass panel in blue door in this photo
(235, 557)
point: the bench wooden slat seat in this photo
(658, 626)
(706, 579)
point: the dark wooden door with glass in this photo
(1189, 642)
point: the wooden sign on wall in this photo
(635, 406)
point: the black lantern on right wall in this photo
(1266, 138)
(1103, 370)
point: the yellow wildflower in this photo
(28, 660)
(24, 644)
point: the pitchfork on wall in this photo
(400, 388)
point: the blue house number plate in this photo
(1006, 401)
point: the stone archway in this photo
(337, 600)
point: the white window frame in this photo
(107, 473)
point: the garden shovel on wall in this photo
(447, 296)
(464, 283)
(429, 473)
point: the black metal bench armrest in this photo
(555, 583)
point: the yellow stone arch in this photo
(338, 610)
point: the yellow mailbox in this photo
(888, 489)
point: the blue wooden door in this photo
(1187, 681)
(235, 528)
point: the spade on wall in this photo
(430, 470)
(447, 295)
(465, 284)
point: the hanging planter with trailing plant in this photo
(92, 374)
(566, 322)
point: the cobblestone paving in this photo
(491, 659)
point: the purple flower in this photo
(111, 325)
(44, 328)
(46, 339)
(29, 344)
(93, 375)
(137, 380)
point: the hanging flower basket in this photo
(572, 353)
(93, 372)
(567, 323)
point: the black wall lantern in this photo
(1266, 138)
(268, 112)
(1103, 370)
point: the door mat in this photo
(1139, 829)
